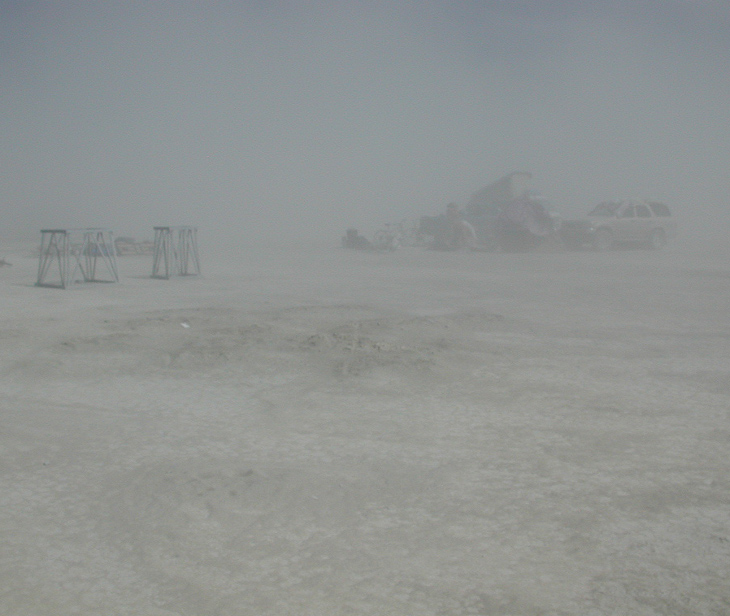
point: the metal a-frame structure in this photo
(175, 252)
(68, 255)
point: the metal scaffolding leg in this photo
(82, 248)
(54, 251)
(175, 252)
(97, 244)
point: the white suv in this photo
(611, 223)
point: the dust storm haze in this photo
(290, 121)
(309, 430)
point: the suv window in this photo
(659, 209)
(642, 211)
(627, 212)
(604, 209)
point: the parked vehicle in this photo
(612, 223)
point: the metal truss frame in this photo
(175, 252)
(75, 255)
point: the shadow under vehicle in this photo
(610, 224)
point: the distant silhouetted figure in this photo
(457, 234)
(354, 240)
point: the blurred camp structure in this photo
(130, 246)
(505, 214)
(389, 237)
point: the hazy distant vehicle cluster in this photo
(507, 215)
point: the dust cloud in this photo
(285, 121)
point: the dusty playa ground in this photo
(340, 433)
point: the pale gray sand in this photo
(330, 432)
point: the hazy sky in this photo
(307, 117)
